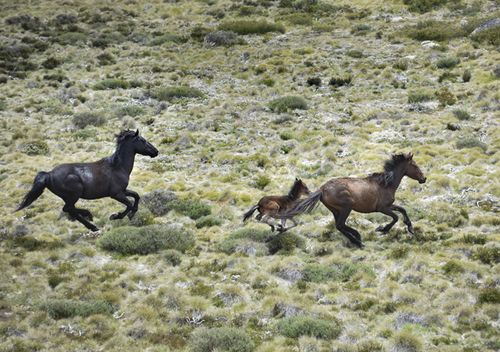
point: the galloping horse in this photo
(374, 193)
(273, 206)
(107, 177)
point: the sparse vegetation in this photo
(85, 119)
(287, 103)
(294, 327)
(172, 93)
(251, 27)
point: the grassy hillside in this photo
(241, 97)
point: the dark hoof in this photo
(411, 230)
(281, 229)
(114, 217)
(382, 229)
(93, 229)
(272, 228)
(131, 214)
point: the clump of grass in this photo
(445, 97)
(85, 119)
(67, 308)
(222, 38)
(250, 239)
(167, 38)
(405, 341)
(399, 251)
(295, 327)
(447, 76)
(401, 64)
(262, 181)
(474, 239)
(251, 27)
(130, 110)
(453, 267)
(299, 19)
(71, 38)
(159, 202)
(489, 36)
(355, 53)
(208, 221)
(220, 339)
(418, 97)
(423, 6)
(334, 272)
(31, 243)
(489, 295)
(37, 147)
(195, 209)
(173, 257)
(51, 63)
(285, 242)
(147, 239)
(106, 59)
(462, 114)
(447, 62)
(287, 103)
(434, 30)
(112, 83)
(466, 76)
(340, 81)
(487, 255)
(470, 142)
(177, 92)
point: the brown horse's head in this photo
(412, 169)
(298, 189)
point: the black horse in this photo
(107, 177)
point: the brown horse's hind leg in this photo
(386, 228)
(122, 198)
(406, 219)
(267, 220)
(76, 214)
(349, 232)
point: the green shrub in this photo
(106, 59)
(173, 257)
(474, 239)
(287, 103)
(335, 272)
(340, 81)
(143, 217)
(453, 267)
(399, 251)
(434, 30)
(249, 237)
(147, 239)
(195, 209)
(423, 6)
(112, 83)
(85, 119)
(447, 76)
(466, 76)
(166, 38)
(251, 27)
(35, 148)
(405, 341)
(299, 19)
(71, 38)
(208, 221)
(355, 53)
(51, 63)
(104, 40)
(401, 64)
(489, 36)
(159, 202)
(262, 181)
(447, 62)
(130, 110)
(295, 327)
(487, 255)
(418, 97)
(172, 93)
(222, 38)
(445, 97)
(470, 142)
(489, 295)
(54, 280)
(461, 114)
(3, 105)
(67, 308)
(220, 339)
(286, 242)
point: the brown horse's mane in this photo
(386, 178)
(294, 191)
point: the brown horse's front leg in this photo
(386, 228)
(406, 219)
(122, 198)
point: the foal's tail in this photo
(36, 191)
(305, 206)
(249, 213)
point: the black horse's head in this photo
(138, 143)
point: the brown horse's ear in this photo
(410, 156)
(136, 133)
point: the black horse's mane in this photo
(120, 137)
(294, 191)
(386, 178)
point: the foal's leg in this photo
(135, 206)
(406, 219)
(386, 228)
(69, 208)
(267, 220)
(349, 232)
(122, 198)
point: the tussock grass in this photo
(287, 103)
(85, 119)
(67, 308)
(251, 27)
(172, 93)
(297, 326)
(434, 30)
(220, 339)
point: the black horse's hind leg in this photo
(406, 219)
(85, 213)
(386, 228)
(76, 214)
(135, 206)
(352, 234)
(122, 198)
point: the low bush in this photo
(401, 64)
(262, 181)
(67, 308)
(106, 39)
(447, 62)
(287, 103)
(195, 209)
(71, 38)
(462, 114)
(466, 76)
(222, 38)
(434, 30)
(220, 339)
(51, 63)
(453, 267)
(172, 257)
(147, 239)
(106, 59)
(405, 341)
(299, 19)
(418, 97)
(445, 97)
(247, 240)
(334, 272)
(285, 242)
(423, 6)
(251, 27)
(489, 295)
(130, 110)
(340, 81)
(37, 147)
(172, 93)
(167, 38)
(208, 221)
(295, 327)
(159, 202)
(470, 142)
(85, 119)
(487, 255)
(111, 83)
(355, 53)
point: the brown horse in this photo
(273, 206)
(374, 193)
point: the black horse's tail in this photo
(36, 191)
(305, 206)
(249, 213)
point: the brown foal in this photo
(273, 206)
(374, 193)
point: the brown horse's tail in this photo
(305, 206)
(36, 191)
(249, 213)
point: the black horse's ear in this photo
(297, 179)
(136, 133)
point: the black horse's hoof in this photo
(381, 229)
(114, 217)
(94, 229)
(411, 230)
(131, 214)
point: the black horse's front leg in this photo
(135, 206)
(406, 219)
(386, 228)
(122, 198)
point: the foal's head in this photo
(412, 169)
(138, 143)
(298, 189)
